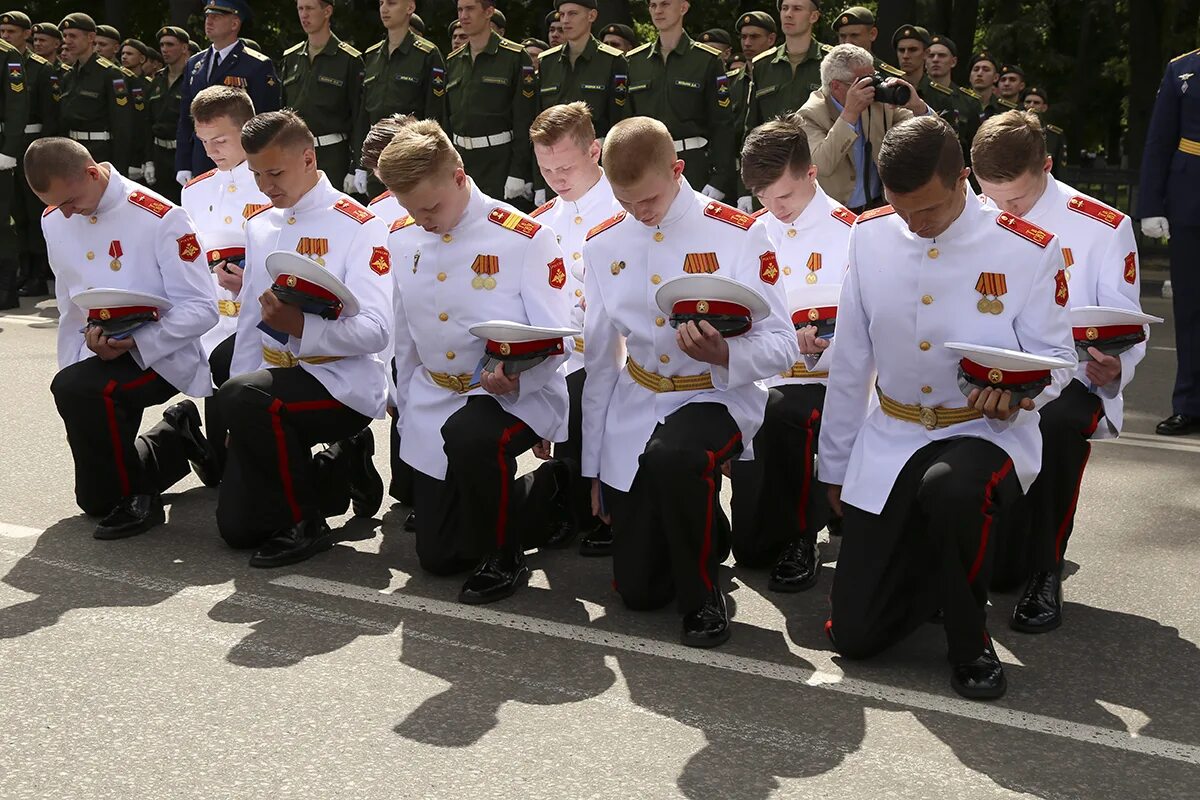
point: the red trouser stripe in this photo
(313, 405)
(987, 518)
(505, 481)
(806, 483)
(281, 452)
(1069, 518)
(110, 411)
(714, 458)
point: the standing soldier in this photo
(492, 86)
(322, 82)
(1038, 101)
(227, 61)
(108, 43)
(786, 75)
(404, 74)
(682, 83)
(96, 108)
(985, 72)
(1011, 84)
(554, 29)
(756, 31)
(47, 39)
(961, 107)
(165, 92)
(132, 55)
(622, 37)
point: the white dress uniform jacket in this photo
(219, 201)
(628, 261)
(811, 251)
(570, 222)
(325, 224)
(1101, 257)
(904, 297)
(139, 241)
(387, 208)
(494, 265)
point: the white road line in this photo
(25, 319)
(1181, 445)
(1168, 349)
(18, 531)
(923, 701)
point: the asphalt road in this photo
(163, 667)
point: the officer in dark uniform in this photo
(165, 91)
(1169, 206)
(622, 37)
(227, 61)
(403, 74)
(958, 106)
(682, 83)
(492, 86)
(1038, 101)
(97, 107)
(781, 87)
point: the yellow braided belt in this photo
(662, 383)
(578, 344)
(798, 370)
(460, 384)
(285, 358)
(931, 418)
(228, 308)
(1189, 146)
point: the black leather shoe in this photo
(366, 485)
(1040, 609)
(981, 678)
(797, 568)
(708, 626)
(292, 545)
(34, 289)
(495, 579)
(9, 300)
(135, 514)
(834, 526)
(1178, 425)
(410, 522)
(597, 543)
(185, 419)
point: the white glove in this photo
(1154, 227)
(135, 173)
(149, 173)
(513, 188)
(7, 162)
(539, 197)
(713, 192)
(746, 204)
(360, 181)
(183, 176)
(348, 183)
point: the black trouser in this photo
(8, 237)
(101, 404)
(570, 453)
(164, 173)
(1185, 306)
(27, 215)
(928, 549)
(497, 511)
(215, 428)
(489, 168)
(272, 480)
(667, 526)
(334, 161)
(403, 480)
(776, 497)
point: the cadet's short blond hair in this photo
(570, 120)
(1008, 146)
(55, 157)
(418, 151)
(634, 147)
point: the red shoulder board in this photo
(381, 196)
(199, 178)
(152, 204)
(49, 210)
(603, 226)
(354, 211)
(402, 223)
(252, 210)
(514, 222)
(1097, 211)
(759, 213)
(1026, 230)
(544, 207)
(729, 215)
(882, 211)
(844, 215)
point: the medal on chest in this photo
(484, 268)
(991, 286)
(316, 249)
(814, 265)
(114, 250)
(1068, 262)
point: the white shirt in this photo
(904, 297)
(223, 53)
(219, 201)
(148, 247)
(440, 293)
(1101, 255)
(387, 208)
(570, 221)
(356, 255)
(619, 415)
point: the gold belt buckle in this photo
(928, 417)
(665, 385)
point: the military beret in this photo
(193, 47)
(984, 56)
(1038, 92)
(251, 44)
(498, 18)
(417, 24)
(138, 45)
(18, 18)
(108, 32)
(910, 32)
(758, 19)
(624, 31)
(78, 21)
(1012, 69)
(854, 15)
(717, 36)
(171, 30)
(552, 18)
(154, 55)
(585, 3)
(239, 8)
(450, 28)
(48, 29)
(944, 41)
(533, 42)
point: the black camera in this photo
(894, 94)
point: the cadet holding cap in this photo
(165, 91)
(622, 37)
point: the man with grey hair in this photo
(845, 126)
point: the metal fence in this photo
(1118, 188)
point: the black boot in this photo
(1178, 425)
(982, 678)
(797, 568)
(834, 526)
(597, 542)
(495, 579)
(134, 514)
(562, 526)
(1040, 609)
(410, 522)
(366, 484)
(708, 626)
(184, 417)
(292, 545)
(8, 284)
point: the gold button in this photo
(933, 252)
(925, 345)
(926, 389)
(228, 220)
(291, 220)
(441, 276)
(658, 236)
(443, 316)
(664, 358)
(659, 321)
(791, 233)
(90, 255)
(450, 355)
(92, 220)
(655, 279)
(447, 238)
(927, 299)
(576, 256)
(787, 270)
(579, 220)
(233, 187)
(579, 293)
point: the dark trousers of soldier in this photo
(1185, 305)
(482, 508)
(164, 174)
(667, 527)
(403, 476)
(8, 241)
(696, 168)
(929, 549)
(272, 480)
(776, 497)
(215, 428)
(570, 453)
(27, 215)
(334, 161)
(101, 404)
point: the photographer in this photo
(846, 119)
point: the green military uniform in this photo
(16, 117)
(325, 89)
(96, 110)
(139, 91)
(599, 77)
(958, 106)
(691, 94)
(996, 105)
(1056, 143)
(779, 88)
(163, 111)
(493, 100)
(27, 208)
